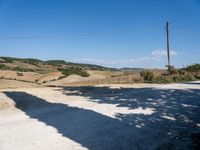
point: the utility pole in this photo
(168, 51)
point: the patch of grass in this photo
(184, 78)
(162, 79)
(187, 76)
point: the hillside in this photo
(56, 72)
(51, 63)
(62, 73)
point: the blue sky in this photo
(114, 33)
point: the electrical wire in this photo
(196, 33)
(81, 34)
(184, 17)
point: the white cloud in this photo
(162, 53)
(154, 56)
(101, 61)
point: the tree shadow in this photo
(88, 128)
(176, 117)
(173, 125)
(192, 83)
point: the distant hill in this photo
(54, 63)
(40, 71)
(131, 69)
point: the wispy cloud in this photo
(102, 61)
(154, 56)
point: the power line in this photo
(197, 33)
(96, 33)
(183, 17)
(81, 34)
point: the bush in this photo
(23, 69)
(19, 69)
(183, 78)
(147, 75)
(73, 70)
(20, 74)
(182, 72)
(189, 77)
(61, 77)
(3, 67)
(193, 68)
(55, 62)
(162, 79)
(172, 70)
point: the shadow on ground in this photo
(176, 117)
(173, 125)
(192, 83)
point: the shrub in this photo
(20, 74)
(193, 68)
(183, 78)
(172, 70)
(73, 70)
(182, 72)
(3, 67)
(189, 77)
(147, 75)
(55, 62)
(61, 77)
(162, 79)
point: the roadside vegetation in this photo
(147, 75)
(189, 73)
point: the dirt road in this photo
(101, 117)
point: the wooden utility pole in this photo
(168, 51)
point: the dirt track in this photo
(101, 117)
